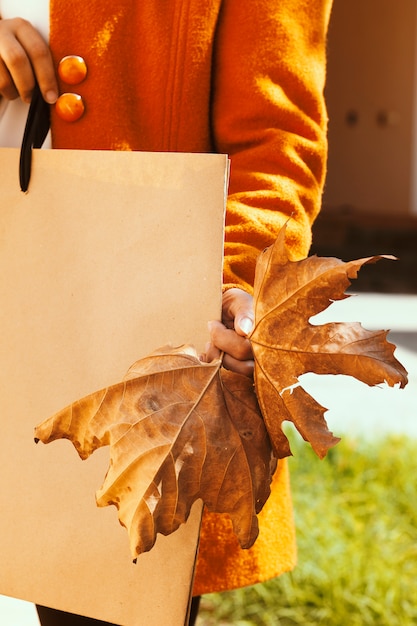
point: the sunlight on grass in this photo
(357, 543)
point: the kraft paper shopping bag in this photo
(109, 256)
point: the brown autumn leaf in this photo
(285, 344)
(178, 430)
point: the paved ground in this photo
(354, 409)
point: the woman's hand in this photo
(24, 58)
(229, 336)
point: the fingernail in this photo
(51, 96)
(246, 324)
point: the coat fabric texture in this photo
(229, 76)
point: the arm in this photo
(25, 55)
(269, 115)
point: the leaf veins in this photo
(285, 344)
(178, 430)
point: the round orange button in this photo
(72, 69)
(70, 107)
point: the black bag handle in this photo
(36, 129)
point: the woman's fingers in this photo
(24, 58)
(228, 341)
(237, 350)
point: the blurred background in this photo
(370, 200)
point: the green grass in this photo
(356, 518)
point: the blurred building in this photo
(370, 200)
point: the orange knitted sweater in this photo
(230, 76)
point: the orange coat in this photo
(230, 76)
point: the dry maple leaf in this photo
(178, 430)
(285, 344)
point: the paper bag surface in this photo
(109, 256)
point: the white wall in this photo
(372, 75)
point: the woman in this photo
(228, 76)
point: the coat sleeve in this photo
(269, 116)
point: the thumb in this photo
(244, 324)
